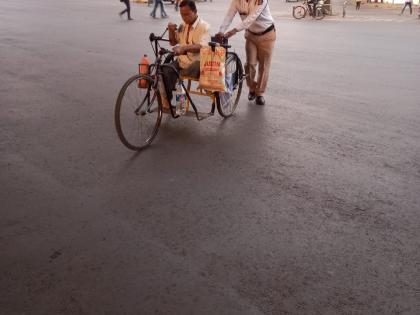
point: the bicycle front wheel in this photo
(228, 101)
(138, 112)
(299, 12)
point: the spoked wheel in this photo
(138, 113)
(319, 14)
(299, 12)
(228, 101)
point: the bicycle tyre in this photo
(228, 101)
(299, 12)
(319, 14)
(129, 108)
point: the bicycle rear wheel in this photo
(228, 101)
(299, 12)
(138, 113)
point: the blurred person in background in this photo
(408, 3)
(127, 9)
(162, 10)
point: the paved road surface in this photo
(309, 205)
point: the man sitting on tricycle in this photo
(188, 39)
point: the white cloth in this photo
(199, 33)
(255, 15)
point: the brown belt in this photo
(268, 29)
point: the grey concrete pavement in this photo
(308, 205)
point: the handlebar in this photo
(219, 40)
(215, 41)
(214, 44)
(222, 41)
(153, 37)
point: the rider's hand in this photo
(178, 50)
(172, 27)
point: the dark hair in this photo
(190, 4)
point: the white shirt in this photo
(199, 33)
(255, 15)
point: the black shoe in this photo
(260, 100)
(130, 19)
(251, 96)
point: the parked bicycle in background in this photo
(300, 11)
